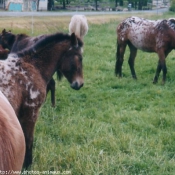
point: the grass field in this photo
(111, 126)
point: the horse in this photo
(24, 76)
(20, 41)
(12, 147)
(78, 25)
(147, 35)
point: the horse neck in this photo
(11, 42)
(48, 61)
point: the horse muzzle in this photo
(76, 85)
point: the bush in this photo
(172, 6)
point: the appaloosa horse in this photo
(20, 41)
(24, 77)
(12, 146)
(147, 35)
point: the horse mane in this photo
(44, 41)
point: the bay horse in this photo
(20, 41)
(24, 76)
(147, 35)
(12, 146)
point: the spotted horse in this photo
(16, 42)
(147, 35)
(24, 77)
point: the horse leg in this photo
(157, 72)
(161, 66)
(28, 120)
(119, 58)
(51, 87)
(28, 129)
(133, 53)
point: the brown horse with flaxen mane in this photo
(24, 77)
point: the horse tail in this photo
(117, 57)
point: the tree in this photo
(138, 4)
(37, 5)
(172, 5)
(96, 5)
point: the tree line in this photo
(136, 4)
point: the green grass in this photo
(111, 126)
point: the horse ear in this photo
(3, 31)
(74, 41)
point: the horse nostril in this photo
(75, 85)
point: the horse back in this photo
(12, 147)
(144, 34)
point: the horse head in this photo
(65, 57)
(7, 39)
(71, 66)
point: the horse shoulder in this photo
(36, 85)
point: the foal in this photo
(20, 41)
(147, 35)
(24, 77)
